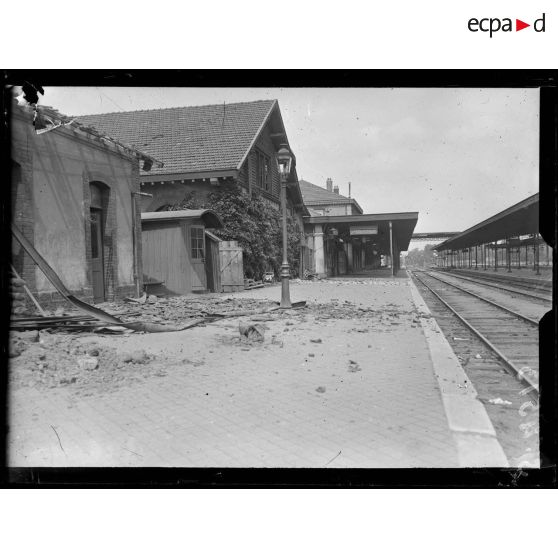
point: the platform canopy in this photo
(372, 227)
(517, 220)
(209, 217)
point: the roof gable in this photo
(316, 195)
(189, 139)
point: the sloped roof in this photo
(189, 139)
(316, 195)
(208, 216)
(519, 219)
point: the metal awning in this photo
(403, 225)
(208, 216)
(519, 219)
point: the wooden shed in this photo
(174, 245)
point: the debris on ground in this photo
(527, 371)
(251, 332)
(500, 401)
(477, 356)
(88, 363)
(140, 300)
(80, 364)
(354, 366)
(136, 357)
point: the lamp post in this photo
(284, 161)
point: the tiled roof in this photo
(189, 139)
(316, 195)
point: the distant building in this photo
(327, 201)
(340, 239)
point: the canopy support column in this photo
(349, 256)
(319, 260)
(391, 248)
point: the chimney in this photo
(329, 184)
(336, 190)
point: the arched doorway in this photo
(98, 211)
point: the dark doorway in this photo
(98, 207)
(97, 264)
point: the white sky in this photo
(456, 156)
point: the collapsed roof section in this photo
(51, 119)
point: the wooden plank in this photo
(231, 266)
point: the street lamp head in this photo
(284, 160)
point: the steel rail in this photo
(496, 285)
(516, 314)
(521, 376)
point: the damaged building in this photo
(75, 198)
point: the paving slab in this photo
(368, 397)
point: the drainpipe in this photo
(134, 242)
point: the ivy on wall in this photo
(254, 223)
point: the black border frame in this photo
(546, 80)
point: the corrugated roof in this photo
(316, 195)
(189, 139)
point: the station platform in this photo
(527, 276)
(359, 378)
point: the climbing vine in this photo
(254, 223)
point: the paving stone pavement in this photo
(263, 405)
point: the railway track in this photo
(504, 285)
(511, 336)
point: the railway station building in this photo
(507, 241)
(339, 239)
(352, 244)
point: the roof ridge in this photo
(174, 108)
(326, 190)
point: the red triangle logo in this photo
(519, 25)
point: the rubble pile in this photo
(176, 309)
(50, 361)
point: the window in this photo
(263, 171)
(196, 242)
